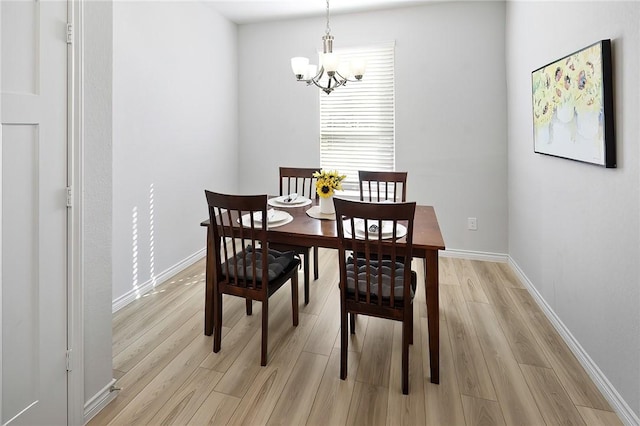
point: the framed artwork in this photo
(573, 107)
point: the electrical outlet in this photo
(472, 223)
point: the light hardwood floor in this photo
(501, 360)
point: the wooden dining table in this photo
(304, 230)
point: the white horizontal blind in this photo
(357, 121)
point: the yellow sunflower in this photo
(327, 182)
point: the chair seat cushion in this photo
(380, 277)
(277, 263)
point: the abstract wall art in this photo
(573, 107)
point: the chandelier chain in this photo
(328, 30)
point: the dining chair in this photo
(382, 186)
(245, 265)
(300, 180)
(370, 283)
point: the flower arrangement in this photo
(572, 84)
(328, 182)
(543, 99)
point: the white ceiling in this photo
(251, 11)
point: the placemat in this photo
(314, 212)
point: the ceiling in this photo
(251, 11)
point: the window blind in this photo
(357, 121)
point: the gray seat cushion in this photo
(380, 278)
(277, 263)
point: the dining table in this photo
(305, 230)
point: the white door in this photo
(34, 212)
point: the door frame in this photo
(75, 141)
(75, 220)
(1, 337)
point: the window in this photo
(357, 121)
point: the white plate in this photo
(299, 201)
(291, 199)
(387, 233)
(275, 218)
(387, 228)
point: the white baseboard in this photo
(619, 405)
(133, 294)
(99, 401)
(475, 255)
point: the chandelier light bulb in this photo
(330, 62)
(357, 68)
(299, 66)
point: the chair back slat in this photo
(298, 180)
(382, 186)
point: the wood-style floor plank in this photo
(165, 384)
(447, 272)
(406, 409)
(180, 407)
(331, 405)
(234, 342)
(242, 372)
(481, 412)
(368, 405)
(554, 403)
(594, 417)
(470, 366)
(327, 327)
(490, 351)
(509, 277)
(469, 281)
(152, 337)
(217, 409)
(135, 380)
(294, 405)
(574, 379)
(515, 398)
(265, 390)
(375, 361)
(513, 324)
(443, 402)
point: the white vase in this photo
(589, 123)
(566, 111)
(326, 205)
(543, 136)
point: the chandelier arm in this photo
(345, 78)
(339, 83)
(319, 75)
(315, 79)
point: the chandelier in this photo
(332, 72)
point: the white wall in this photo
(97, 194)
(450, 107)
(574, 227)
(174, 132)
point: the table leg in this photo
(433, 314)
(209, 271)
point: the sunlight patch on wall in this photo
(152, 273)
(134, 243)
